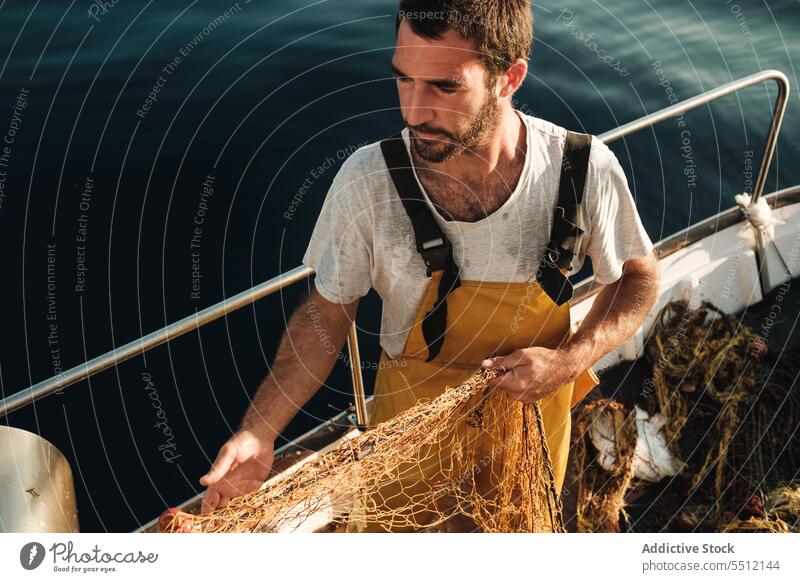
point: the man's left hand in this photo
(532, 373)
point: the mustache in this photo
(424, 128)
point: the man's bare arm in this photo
(307, 352)
(314, 336)
(617, 312)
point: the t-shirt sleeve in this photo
(616, 233)
(340, 249)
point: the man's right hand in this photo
(244, 462)
(242, 465)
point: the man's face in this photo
(444, 98)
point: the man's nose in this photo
(418, 107)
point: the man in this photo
(490, 178)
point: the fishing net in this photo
(732, 415)
(601, 493)
(776, 512)
(471, 452)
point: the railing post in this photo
(358, 380)
(772, 137)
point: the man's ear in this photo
(513, 77)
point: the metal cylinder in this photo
(36, 488)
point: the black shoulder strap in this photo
(568, 228)
(437, 252)
(432, 244)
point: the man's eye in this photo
(447, 90)
(402, 79)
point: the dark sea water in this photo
(104, 185)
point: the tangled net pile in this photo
(490, 463)
(731, 420)
(601, 496)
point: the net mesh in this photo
(601, 494)
(732, 418)
(471, 453)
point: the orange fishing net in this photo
(471, 452)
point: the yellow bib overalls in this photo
(483, 318)
(486, 318)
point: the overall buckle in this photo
(557, 257)
(551, 277)
(435, 253)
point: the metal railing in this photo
(150, 341)
(704, 98)
(197, 320)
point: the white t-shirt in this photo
(363, 238)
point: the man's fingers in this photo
(498, 381)
(508, 362)
(210, 501)
(225, 458)
(508, 381)
(512, 382)
(493, 362)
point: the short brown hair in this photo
(502, 29)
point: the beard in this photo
(446, 145)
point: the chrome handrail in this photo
(769, 148)
(693, 102)
(192, 322)
(151, 340)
